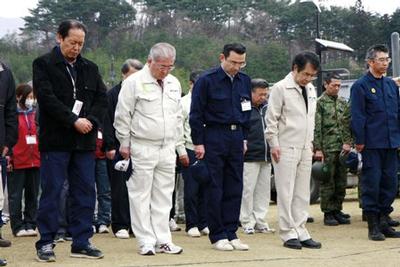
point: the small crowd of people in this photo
(228, 135)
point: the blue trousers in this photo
(78, 168)
(64, 206)
(194, 198)
(379, 180)
(103, 194)
(224, 158)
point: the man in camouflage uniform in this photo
(331, 136)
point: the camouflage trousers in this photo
(333, 190)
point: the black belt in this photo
(230, 127)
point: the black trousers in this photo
(120, 217)
(23, 181)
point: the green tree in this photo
(101, 16)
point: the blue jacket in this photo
(257, 147)
(216, 101)
(375, 107)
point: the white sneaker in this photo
(94, 229)
(239, 245)
(103, 229)
(21, 232)
(205, 231)
(194, 232)
(248, 230)
(146, 249)
(31, 232)
(223, 245)
(265, 230)
(122, 234)
(173, 227)
(169, 248)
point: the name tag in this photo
(31, 139)
(77, 107)
(246, 105)
(99, 135)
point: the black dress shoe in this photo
(310, 219)
(292, 243)
(309, 243)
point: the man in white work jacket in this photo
(148, 123)
(290, 132)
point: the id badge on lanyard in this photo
(246, 105)
(78, 104)
(31, 140)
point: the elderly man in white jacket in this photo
(289, 132)
(148, 123)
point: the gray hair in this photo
(258, 83)
(373, 50)
(131, 63)
(162, 50)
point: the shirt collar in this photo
(222, 74)
(61, 56)
(290, 83)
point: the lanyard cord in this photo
(72, 80)
(27, 122)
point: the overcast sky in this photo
(19, 8)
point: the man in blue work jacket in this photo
(220, 121)
(375, 107)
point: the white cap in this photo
(122, 165)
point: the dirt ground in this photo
(342, 246)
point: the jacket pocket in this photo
(219, 103)
(148, 103)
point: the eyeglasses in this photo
(235, 63)
(165, 67)
(311, 77)
(383, 59)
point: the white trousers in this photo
(292, 181)
(150, 191)
(256, 194)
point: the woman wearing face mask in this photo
(26, 162)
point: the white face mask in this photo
(29, 103)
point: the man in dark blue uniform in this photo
(220, 121)
(375, 107)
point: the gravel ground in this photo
(342, 246)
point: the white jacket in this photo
(288, 122)
(147, 113)
(186, 140)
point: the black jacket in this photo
(8, 109)
(257, 148)
(54, 90)
(110, 141)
